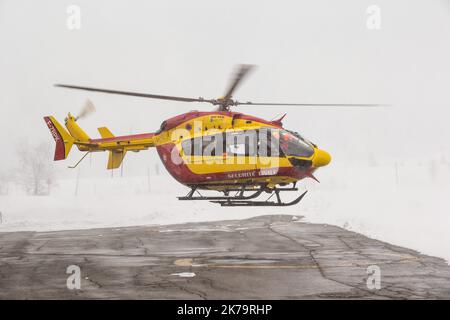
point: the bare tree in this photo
(36, 169)
(4, 180)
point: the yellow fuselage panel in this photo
(213, 164)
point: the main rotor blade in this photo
(242, 72)
(135, 94)
(248, 103)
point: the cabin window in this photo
(268, 144)
(211, 145)
(241, 143)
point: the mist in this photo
(390, 166)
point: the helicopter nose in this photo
(321, 158)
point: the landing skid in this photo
(241, 200)
(261, 203)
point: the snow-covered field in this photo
(405, 204)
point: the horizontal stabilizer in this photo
(105, 133)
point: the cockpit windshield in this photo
(294, 145)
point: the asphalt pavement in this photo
(267, 257)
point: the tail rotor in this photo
(87, 109)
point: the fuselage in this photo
(213, 150)
(216, 149)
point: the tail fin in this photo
(75, 130)
(63, 139)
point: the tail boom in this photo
(117, 146)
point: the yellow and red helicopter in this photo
(240, 155)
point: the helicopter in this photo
(241, 156)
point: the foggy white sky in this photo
(307, 51)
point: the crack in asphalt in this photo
(42, 245)
(319, 267)
(96, 283)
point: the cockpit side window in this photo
(292, 145)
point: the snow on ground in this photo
(403, 204)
